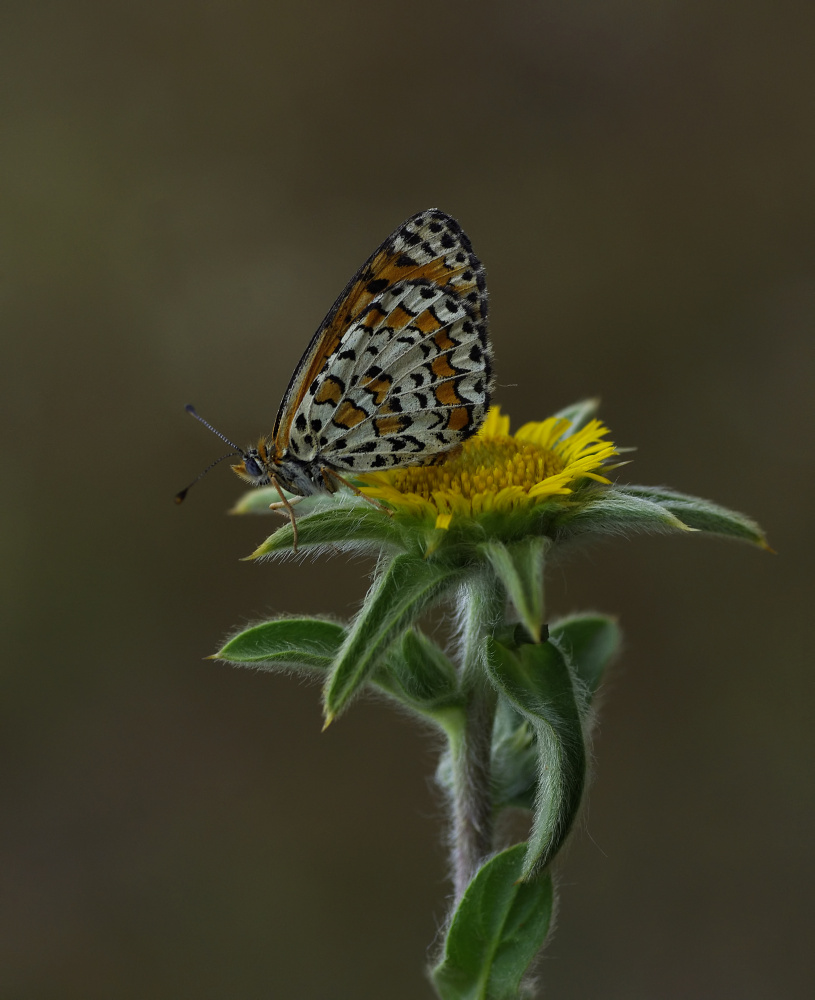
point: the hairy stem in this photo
(472, 796)
(482, 604)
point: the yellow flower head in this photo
(496, 471)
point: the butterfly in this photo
(398, 373)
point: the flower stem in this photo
(472, 797)
(483, 603)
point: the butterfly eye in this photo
(252, 467)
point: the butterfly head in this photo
(254, 469)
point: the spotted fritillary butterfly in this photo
(398, 374)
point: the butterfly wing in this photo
(399, 370)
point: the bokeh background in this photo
(186, 186)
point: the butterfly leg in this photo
(288, 506)
(326, 472)
(283, 504)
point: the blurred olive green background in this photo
(185, 188)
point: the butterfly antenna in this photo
(179, 497)
(194, 413)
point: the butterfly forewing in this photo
(399, 372)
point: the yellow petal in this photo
(495, 425)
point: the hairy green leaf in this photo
(703, 515)
(398, 597)
(418, 672)
(537, 682)
(497, 929)
(343, 526)
(513, 759)
(519, 567)
(611, 512)
(590, 643)
(310, 644)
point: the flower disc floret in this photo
(497, 471)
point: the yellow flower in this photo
(496, 471)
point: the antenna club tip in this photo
(179, 497)
(189, 408)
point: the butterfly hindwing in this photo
(399, 371)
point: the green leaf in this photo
(416, 673)
(310, 644)
(497, 929)
(703, 515)
(513, 759)
(519, 566)
(537, 682)
(609, 511)
(590, 643)
(419, 673)
(350, 525)
(399, 595)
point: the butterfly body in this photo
(261, 467)
(398, 373)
